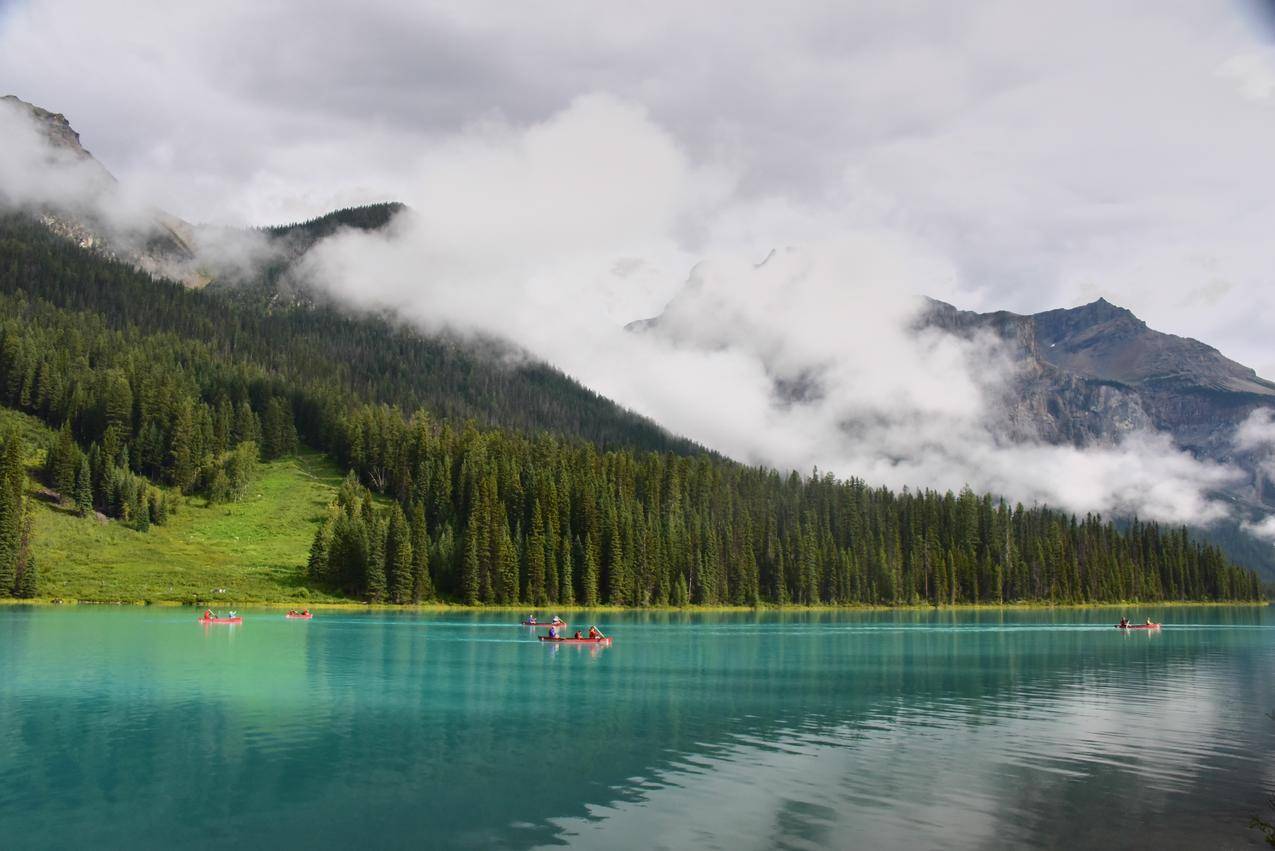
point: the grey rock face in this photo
(1091, 374)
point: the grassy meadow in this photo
(255, 549)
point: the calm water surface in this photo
(907, 730)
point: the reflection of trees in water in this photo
(401, 725)
(664, 695)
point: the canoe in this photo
(235, 619)
(1139, 626)
(603, 641)
(294, 616)
(545, 624)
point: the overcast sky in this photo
(572, 169)
(1055, 151)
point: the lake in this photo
(1032, 728)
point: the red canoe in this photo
(604, 640)
(297, 616)
(235, 619)
(1139, 626)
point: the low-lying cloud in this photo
(556, 235)
(76, 195)
(787, 334)
(1256, 436)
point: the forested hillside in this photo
(507, 519)
(321, 357)
(559, 497)
(273, 284)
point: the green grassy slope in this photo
(256, 549)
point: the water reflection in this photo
(801, 729)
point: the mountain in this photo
(1091, 374)
(271, 281)
(93, 210)
(251, 308)
(165, 396)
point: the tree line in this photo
(496, 517)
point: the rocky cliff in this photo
(1091, 374)
(96, 214)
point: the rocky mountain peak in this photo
(53, 125)
(94, 212)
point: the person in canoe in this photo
(595, 633)
(530, 621)
(557, 621)
(1124, 623)
(579, 635)
(208, 615)
(553, 633)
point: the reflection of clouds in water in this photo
(1067, 762)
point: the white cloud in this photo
(1264, 528)
(834, 315)
(1253, 74)
(568, 166)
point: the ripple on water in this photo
(882, 730)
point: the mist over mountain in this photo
(1091, 374)
(1086, 408)
(47, 170)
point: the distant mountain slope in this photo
(1091, 374)
(255, 309)
(370, 358)
(96, 215)
(270, 281)
(1106, 342)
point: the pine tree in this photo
(398, 557)
(589, 573)
(536, 593)
(247, 426)
(12, 511)
(507, 569)
(317, 564)
(567, 592)
(681, 593)
(84, 488)
(28, 574)
(181, 455)
(422, 583)
(375, 585)
(62, 463)
(469, 567)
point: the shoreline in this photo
(766, 607)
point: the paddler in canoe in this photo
(595, 633)
(1124, 623)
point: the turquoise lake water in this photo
(140, 727)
